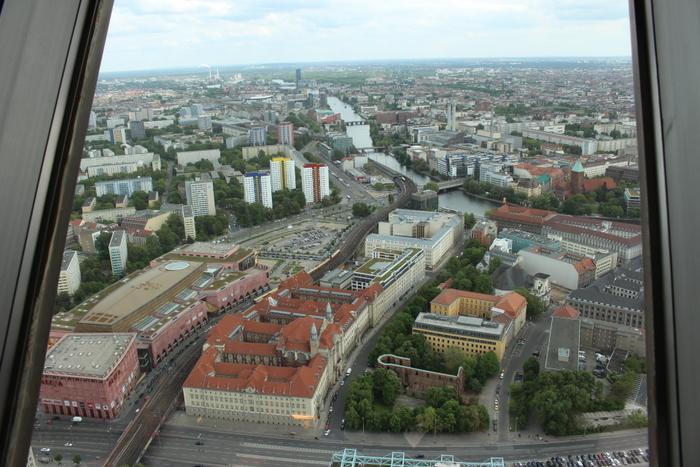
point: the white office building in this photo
(188, 222)
(118, 253)
(314, 182)
(200, 196)
(433, 232)
(142, 159)
(69, 277)
(257, 188)
(282, 174)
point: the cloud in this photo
(148, 34)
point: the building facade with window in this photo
(200, 196)
(89, 375)
(285, 133)
(124, 187)
(315, 183)
(257, 188)
(118, 252)
(69, 277)
(282, 174)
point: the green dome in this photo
(578, 167)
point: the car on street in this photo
(68, 444)
(45, 450)
(503, 373)
(327, 432)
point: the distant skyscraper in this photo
(188, 222)
(282, 174)
(451, 114)
(118, 253)
(314, 182)
(285, 133)
(200, 196)
(298, 77)
(137, 129)
(257, 188)
(257, 136)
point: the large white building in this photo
(188, 222)
(398, 272)
(282, 174)
(190, 157)
(124, 187)
(142, 159)
(69, 277)
(314, 182)
(200, 195)
(257, 188)
(118, 253)
(433, 232)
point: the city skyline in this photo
(152, 35)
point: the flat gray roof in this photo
(466, 325)
(92, 355)
(137, 290)
(68, 256)
(563, 344)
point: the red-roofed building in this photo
(566, 311)
(507, 308)
(518, 217)
(274, 362)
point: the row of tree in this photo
(556, 399)
(371, 406)
(609, 203)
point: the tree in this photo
(58, 458)
(535, 306)
(63, 302)
(386, 386)
(531, 368)
(469, 220)
(487, 366)
(361, 210)
(102, 245)
(77, 459)
(431, 186)
(427, 420)
(545, 201)
(140, 200)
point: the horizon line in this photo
(359, 61)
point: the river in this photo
(355, 126)
(454, 199)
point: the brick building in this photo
(415, 381)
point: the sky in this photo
(155, 34)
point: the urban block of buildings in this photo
(275, 362)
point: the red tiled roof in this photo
(511, 303)
(249, 348)
(522, 214)
(209, 373)
(566, 311)
(595, 184)
(584, 264)
(448, 296)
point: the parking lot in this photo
(631, 457)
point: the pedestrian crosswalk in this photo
(276, 447)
